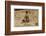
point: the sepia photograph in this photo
(25, 17)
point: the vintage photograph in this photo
(25, 17)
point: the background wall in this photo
(2, 18)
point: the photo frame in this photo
(24, 17)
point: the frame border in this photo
(7, 17)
